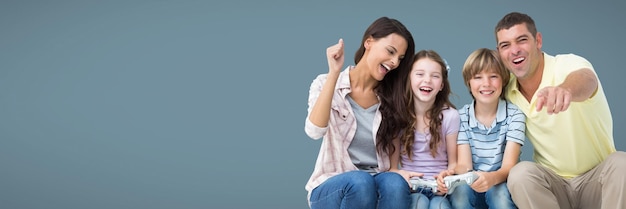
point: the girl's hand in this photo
(407, 175)
(441, 186)
(335, 57)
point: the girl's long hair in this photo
(433, 115)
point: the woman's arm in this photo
(320, 113)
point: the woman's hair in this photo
(391, 100)
(434, 114)
(484, 59)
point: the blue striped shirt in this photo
(487, 144)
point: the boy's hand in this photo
(483, 183)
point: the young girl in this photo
(427, 145)
(353, 110)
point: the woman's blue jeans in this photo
(498, 196)
(358, 189)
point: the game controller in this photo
(418, 183)
(453, 181)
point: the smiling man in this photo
(568, 122)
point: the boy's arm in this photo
(487, 180)
(510, 158)
(515, 137)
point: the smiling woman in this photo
(343, 108)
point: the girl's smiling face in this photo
(426, 79)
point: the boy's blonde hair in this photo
(485, 59)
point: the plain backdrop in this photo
(201, 104)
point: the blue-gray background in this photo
(201, 104)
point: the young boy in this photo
(491, 134)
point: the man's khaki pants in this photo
(533, 186)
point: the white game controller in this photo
(418, 183)
(453, 181)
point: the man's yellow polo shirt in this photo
(571, 142)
